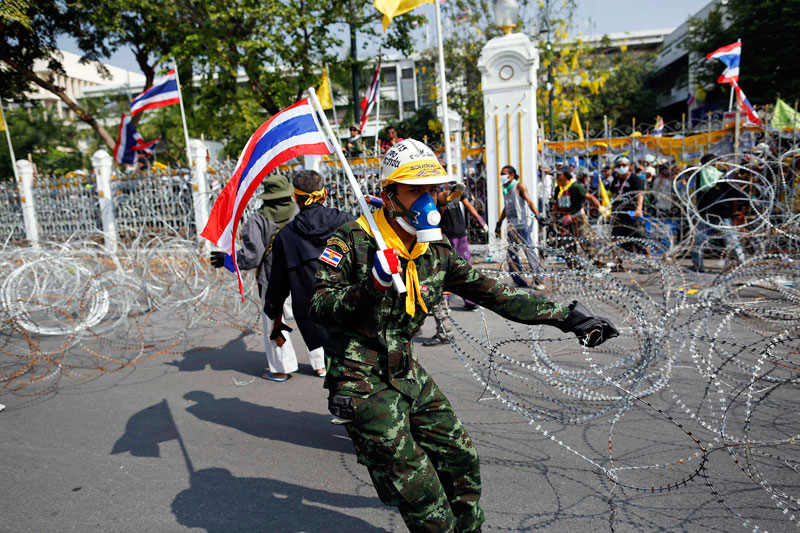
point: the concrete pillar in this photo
(312, 162)
(200, 193)
(102, 164)
(25, 185)
(508, 67)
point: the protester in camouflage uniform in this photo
(417, 451)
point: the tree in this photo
(51, 142)
(30, 33)
(624, 94)
(767, 29)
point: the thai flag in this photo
(744, 105)
(689, 99)
(372, 95)
(148, 148)
(659, 129)
(293, 132)
(730, 55)
(163, 92)
(127, 139)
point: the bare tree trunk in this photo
(81, 113)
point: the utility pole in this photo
(354, 64)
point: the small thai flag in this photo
(372, 95)
(293, 132)
(744, 105)
(127, 139)
(163, 92)
(689, 99)
(730, 55)
(659, 129)
(148, 148)
(330, 257)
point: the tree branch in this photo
(81, 113)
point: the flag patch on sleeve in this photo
(330, 257)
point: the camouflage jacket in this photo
(370, 346)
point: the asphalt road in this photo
(197, 441)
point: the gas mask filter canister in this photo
(425, 221)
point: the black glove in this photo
(541, 217)
(277, 333)
(590, 329)
(498, 229)
(217, 259)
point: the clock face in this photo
(506, 72)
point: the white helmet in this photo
(411, 161)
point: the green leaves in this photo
(768, 29)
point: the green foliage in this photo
(768, 30)
(51, 142)
(625, 95)
(418, 126)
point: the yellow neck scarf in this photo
(413, 294)
(312, 196)
(562, 190)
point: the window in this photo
(408, 74)
(389, 77)
(409, 106)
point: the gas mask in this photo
(422, 219)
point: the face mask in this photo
(424, 219)
(622, 169)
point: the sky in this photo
(591, 17)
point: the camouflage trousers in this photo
(419, 457)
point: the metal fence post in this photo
(25, 173)
(200, 193)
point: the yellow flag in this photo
(575, 125)
(605, 201)
(2, 119)
(324, 91)
(395, 8)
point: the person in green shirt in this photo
(569, 216)
(404, 430)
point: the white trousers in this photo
(283, 359)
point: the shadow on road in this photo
(234, 355)
(219, 503)
(302, 428)
(149, 427)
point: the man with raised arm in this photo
(417, 451)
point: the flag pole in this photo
(10, 147)
(378, 110)
(730, 103)
(183, 114)
(443, 88)
(362, 204)
(737, 131)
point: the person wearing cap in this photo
(627, 208)
(258, 236)
(570, 216)
(418, 453)
(514, 194)
(355, 145)
(296, 251)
